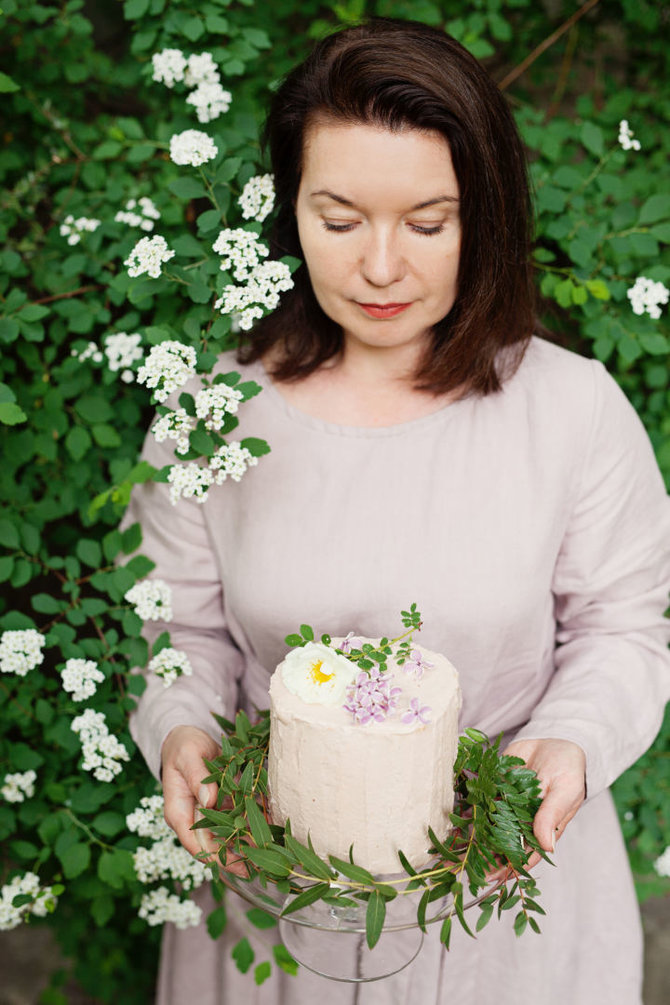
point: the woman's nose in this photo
(382, 263)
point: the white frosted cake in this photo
(363, 760)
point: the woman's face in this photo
(378, 218)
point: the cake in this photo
(363, 760)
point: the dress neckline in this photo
(295, 414)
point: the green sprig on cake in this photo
(286, 833)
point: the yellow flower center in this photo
(317, 674)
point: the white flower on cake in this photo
(317, 674)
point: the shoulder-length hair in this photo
(399, 75)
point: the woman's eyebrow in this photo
(420, 205)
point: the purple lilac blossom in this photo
(371, 696)
(416, 664)
(351, 642)
(416, 714)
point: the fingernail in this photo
(203, 795)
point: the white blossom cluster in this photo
(81, 678)
(213, 404)
(194, 481)
(122, 350)
(92, 351)
(159, 906)
(175, 426)
(152, 600)
(27, 885)
(139, 213)
(662, 863)
(170, 664)
(258, 197)
(189, 481)
(73, 229)
(148, 820)
(167, 859)
(261, 291)
(240, 249)
(192, 147)
(18, 785)
(647, 296)
(102, 751)
(626, 136)
(198, 71)
(148, 256)
(21, 651)
(168, 366)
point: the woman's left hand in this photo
(561, 768)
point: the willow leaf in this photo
(308, 896)
(374, 918)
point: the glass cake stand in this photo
(330, 940)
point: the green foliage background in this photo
(84, 130)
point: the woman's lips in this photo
(384, 310)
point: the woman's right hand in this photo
(183, 769)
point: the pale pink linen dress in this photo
(532, 529)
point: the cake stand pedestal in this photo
(330, 940)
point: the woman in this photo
(425, 447)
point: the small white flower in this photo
(647, 296)
(662, 863)
(189, 481)
(148, 819)
(317, 674)
(73, 229)
(144, 219)
(209, 100)
(152, 600)
(258, 197)
(18, 786)
(175, 426)
(626, 136)
(27, 885)
(92, 351)
(231, 459)
(80, 677)
(168, 366)
(240, 249)
(167, 859)
(266, 281)
(192, 147)
(201, 69)
(159, 906)
(215, 402)
(168, 66)
(21, 651)
(102, 751)
(123, 350)
(148, 256)
(170, 664)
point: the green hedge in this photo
(89, 131)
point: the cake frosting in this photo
(363, 761)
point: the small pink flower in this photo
(416, 714)
(351, 642)
(416, 664)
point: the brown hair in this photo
(399, 75)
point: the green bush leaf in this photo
(216, 921)
(243, 955)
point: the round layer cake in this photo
(363, 761)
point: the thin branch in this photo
(546, 44)
(72, 293)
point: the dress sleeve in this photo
(177, 539)
(612, 668)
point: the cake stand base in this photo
(343, 955)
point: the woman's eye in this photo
(339, 228)
(428, 229)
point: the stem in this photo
(546, 44)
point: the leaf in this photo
(351, 871)
(520, 923)
(268, 861)
(11, 414)
(187, 188)
(7, 85)
(308, 858)
(656, 208)
(216, 921)
(307, 632)
(284, 959)
(262, 972)
(374, 918)
(75, 859)
(89, 552)
(592, 137)
(306, 897)
(258, 825)
(9, 535)
(243, 955)
(109, 823)
(445, 932)
(261, 919)
(293, 640)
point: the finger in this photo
(557, 810)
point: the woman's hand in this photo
(183, 754)
(561, 768)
